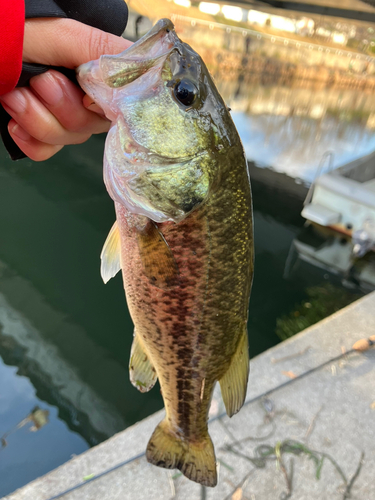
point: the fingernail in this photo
(48, 87)
(95, 108)
(88, 102)
(15, 101)
(19, 132)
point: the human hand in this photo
(53, 111)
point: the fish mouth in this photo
(123, 68)
(159, 48)
(161, 187)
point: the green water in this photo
(65, 337)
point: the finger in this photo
(34, 149)
(69, 42)
(27, 110)
(64, 100)
(91, 105)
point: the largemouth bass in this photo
(175, 167)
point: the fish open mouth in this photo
(115, 71)
(148, 168)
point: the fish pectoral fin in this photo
(142, 373)
(111, 254)
(157, 258)
(233, 384)
(195, 459)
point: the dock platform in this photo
(307, 431)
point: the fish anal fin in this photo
(111, 254)
(233, 384)
(157, 258)
(195, 459)
(142, 373)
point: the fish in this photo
(176, 170)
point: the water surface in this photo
(65, 337)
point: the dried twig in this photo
(264, 453)
(312, 423)
(288, 478)
(240, 442)
(171, 483)
(240, 485)
(355, 476)
(291, 356)
(233, 438)
(268, 408)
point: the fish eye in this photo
(185, 92)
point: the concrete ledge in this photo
(330, 410)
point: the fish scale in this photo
(174, 329)
(183, 237)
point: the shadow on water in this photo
(65, 337)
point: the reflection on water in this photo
(30, 454)
(291, 101)
(42, 362)
(327, 250)
(38, 418)
(295, 144)
(68, 335)
(65, 337)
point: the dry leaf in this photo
(361, 345)
(372, 405)
(237, 495)
(289, 374)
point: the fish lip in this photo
(162, 28)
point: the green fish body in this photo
(176, 170)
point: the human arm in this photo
(11, 37)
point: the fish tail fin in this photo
(196, 460)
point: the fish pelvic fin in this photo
(111, 254)
(196, 460)
(233, 384)
(142, 373)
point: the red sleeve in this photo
(12, 22)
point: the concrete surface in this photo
(327, 411)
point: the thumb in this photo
(67, 43)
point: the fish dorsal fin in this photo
(142, 373)
(157, 258)
(234, 383)
(111, 254)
